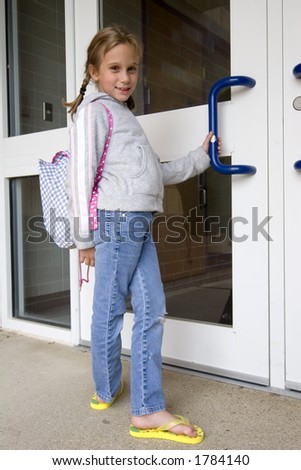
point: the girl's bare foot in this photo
(98, 399)
(156, 420)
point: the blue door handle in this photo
(297, 165)
(212, 107)
(297, 73)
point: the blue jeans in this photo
(126, 262)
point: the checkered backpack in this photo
(54, 197)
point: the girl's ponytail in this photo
(73, 105)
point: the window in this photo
(36, 65)
(37, 86)
(40, 269)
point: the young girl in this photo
(121, 248)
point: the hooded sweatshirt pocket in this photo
(146, 177)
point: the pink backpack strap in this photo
(94, 195)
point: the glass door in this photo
(292, 167)
(213, 237)
(41, 57)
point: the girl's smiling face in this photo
(117, 74)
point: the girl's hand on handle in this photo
(206, 143)
(87, 256)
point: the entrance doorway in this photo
(211, 239)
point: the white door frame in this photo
(292, 194)
(276, 191)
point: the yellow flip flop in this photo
(163, 432)
(94, 403)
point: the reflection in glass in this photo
(186, 49)
(36, 65)
(40, 269)
(193, 239)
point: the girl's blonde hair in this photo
(103, 41)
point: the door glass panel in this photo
(36, 65)
(40, 269)
(187, 49)
(193, 239)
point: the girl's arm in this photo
(87, 138)
(196, 162)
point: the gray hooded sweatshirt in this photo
(133, 177)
